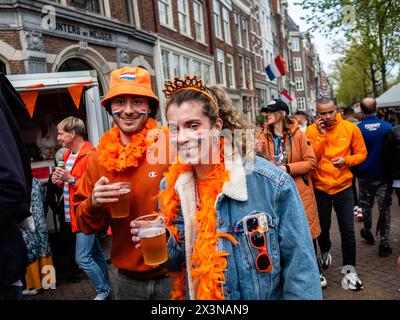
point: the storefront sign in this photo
(83, 32)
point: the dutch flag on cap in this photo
(128, 75)
(276, 69)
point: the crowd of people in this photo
(245, 214)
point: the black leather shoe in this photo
(367, 235)
(385, 250)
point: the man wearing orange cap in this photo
(121, 156)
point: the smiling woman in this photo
(207, 203)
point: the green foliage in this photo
(372, 26)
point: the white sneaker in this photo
(352, 281)
(324, 283)
(325, 260)
(103, 296)
(28, 292)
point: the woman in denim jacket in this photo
(237, 229)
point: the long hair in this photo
(286, 121)
(233, 122)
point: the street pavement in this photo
(381, 276)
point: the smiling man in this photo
(121, 156)
(338, 145)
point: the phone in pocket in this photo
(253, 221)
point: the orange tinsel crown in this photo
(187, 84)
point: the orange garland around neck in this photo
(115, 156)
(208, 264)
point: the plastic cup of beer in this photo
(153, 240)
(120, 209)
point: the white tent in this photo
(390, 98)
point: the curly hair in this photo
(234, 125)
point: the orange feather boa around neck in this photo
(115, 156)
(208, 264)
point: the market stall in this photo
(50, 98)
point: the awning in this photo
(390, 98)
(29, 85)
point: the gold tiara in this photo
(187, 84)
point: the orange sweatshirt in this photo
(343, 139)
(145, 180)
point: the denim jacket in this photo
(256, 187)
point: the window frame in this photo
(226, 25)
(231, 70)
(238, 28)
(217, 19)
(186, 16)
(298, 60)
(221, 61)
(246, 32)
(169, 15)
(294, 40)
(298, 82)
(201, 22)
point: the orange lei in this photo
(208, 263)
(115, 156)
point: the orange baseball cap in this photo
(130, 80)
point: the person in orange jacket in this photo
(123, 155)
(338, 145)
(88, 252)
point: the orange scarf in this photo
(208, 264)
(115, 156)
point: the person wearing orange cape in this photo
(236, 224)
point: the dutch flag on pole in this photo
(128, 75)
(276, 69)
(285, 97)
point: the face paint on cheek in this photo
(142, 113)
(116, 113)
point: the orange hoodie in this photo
(343, 139)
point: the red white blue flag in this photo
(276, 69)
(285, 97)
(128, 75)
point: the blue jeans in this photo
(343, 203)
(90, 257)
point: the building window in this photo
(183, 14)
(165, 64)
(297, 64)
(165, 12)
(95, 6)
(227, 25)
(217, 19)
(131, 12)
(198, 21)
(241, 72)
(175, 65)
(221, 66)
(301, 103)
(249, 82)
(299, 83)
(185, 66)
(238, 31)
(231, 71)
(295, 44)
(206, 73)
(197, 68)
(246, 32)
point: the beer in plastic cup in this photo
(120, 209)
(153, 240)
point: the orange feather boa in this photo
(115, 156)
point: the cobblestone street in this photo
(380, 275)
